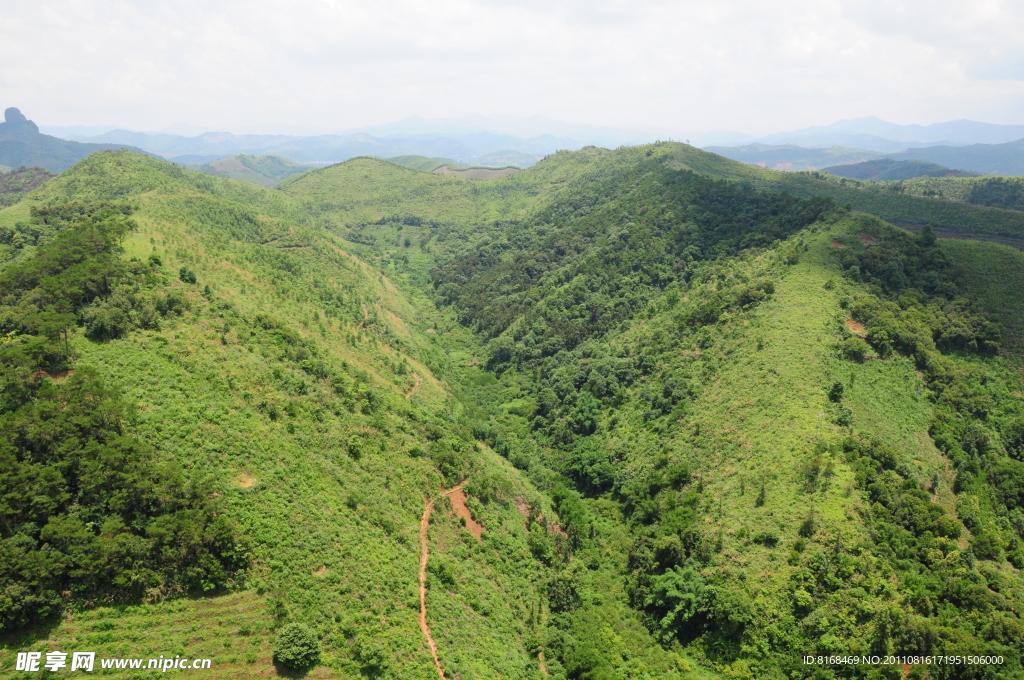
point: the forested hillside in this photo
(278, 411)
(643, 413)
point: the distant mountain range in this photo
(792, 157)
(876, 134)
(473, 148)
(984, 159)
(500, 140)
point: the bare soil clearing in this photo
(854, 327)
(244, 481)
(458, 498)
(57, 375)
(837, 244)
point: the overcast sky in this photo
(304, 65)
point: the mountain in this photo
(22, 144)
(888, 169)
(264, 170)
(646, 413)
(986, 159)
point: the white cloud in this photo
(265, 65)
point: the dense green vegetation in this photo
(87, 507)
(710, 418)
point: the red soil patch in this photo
(458, 498)
(864, 238)
(837, 244)
(59, 375)
(854, 326)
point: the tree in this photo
(296, 647)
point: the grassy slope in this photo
(335, 539)
(762, 411)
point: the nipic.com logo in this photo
(32, 662)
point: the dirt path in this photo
(458, 499)
(424, 556)
(416, 387)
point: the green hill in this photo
(425, 164)
(993, 192)
(709, 419)
(448, 168)
(15, 183)
(266, 170)
(22, 144)
(884, 169)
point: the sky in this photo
(306, 66)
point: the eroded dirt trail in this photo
(424, 556)
(458, 499)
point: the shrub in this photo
(187, 275)
(296, 647)
(854, 349)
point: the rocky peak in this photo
(16, 124)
